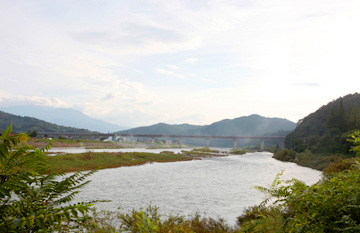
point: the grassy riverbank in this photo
(95, 160)
(309, 159)
(92, 160)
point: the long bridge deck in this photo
(207, 137)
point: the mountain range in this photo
(253, 125)
(63, 116)
(71, 120)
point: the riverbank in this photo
(96, 160)
(308, 159)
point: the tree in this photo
(354, 117)
(331, 122)
(33, 134)
(341, 117)
(42, 201)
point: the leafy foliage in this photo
(30, 201)
(331, 205)
(149, 220)
(355, 139)
(285, 155)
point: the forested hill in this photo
(253, 125)
(163, 129)
(63, 116)
(26, 124)
(327, 129)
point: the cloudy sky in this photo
(140, 62)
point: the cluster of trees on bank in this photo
(31, 201)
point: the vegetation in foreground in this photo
(150, 220)
(42, 201)
(31, 202)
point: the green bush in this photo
(285, 155)
(149, 220)
(31, 202)
(331, 205)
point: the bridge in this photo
(180, 137)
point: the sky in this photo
(136, 63)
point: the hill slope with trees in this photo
(29, 124)
(324, 136)
(63, 116)
(327, 129)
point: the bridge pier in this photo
(180, 142)
(127, 137)
(262, 144)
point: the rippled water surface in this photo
(220, 186)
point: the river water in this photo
(216, 187)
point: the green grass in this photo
(202, 152)
(92, 160)
(308, 159)
(238, 151)
(205, 149)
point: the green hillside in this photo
(162, 128)
(327, 129)
(26, 124)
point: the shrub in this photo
(331, 205)
(285, 155)
(31, 202)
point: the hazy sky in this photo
(134, 63)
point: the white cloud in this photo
(191, 60)
(307, 84)
(173, 67)
(268, 57)
(32, 100)
(169, 73)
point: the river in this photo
(216, 187)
